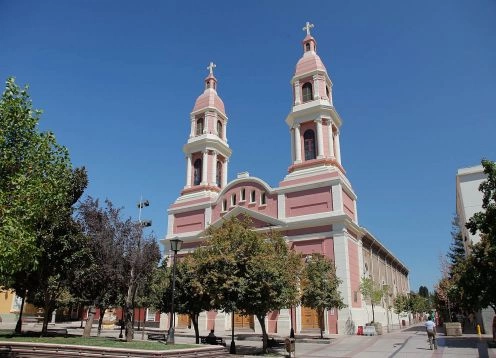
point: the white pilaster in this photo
(297, 95)
(316, 94)
(204, 168)
(283, 322)
(224, 136)
(281, 206)
(291, 134)
(208, 216)
(214, 168)
(224, 173)
(188, 171)
(222, 322)
(331, 138)
(320, 139)
(342, 269)
(297, 143)
(193, 124)
(170, 224)
(337, 198)
(338, 149)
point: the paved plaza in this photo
(409, 342)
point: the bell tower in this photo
(313, 121)
(207, 151)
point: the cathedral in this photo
(314, 206)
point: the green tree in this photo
(319, 285)
(35, 177)
(423, 291)
(400, 305)
(373, 292)
(190, 296)
(246, 271)
(479, 281)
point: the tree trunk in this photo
(18, 328)
(131, 291)
(100, 319)
(265, 340)
(89, 321)
(320, 312)
(373, 314)
(46, 318)
(194, 320)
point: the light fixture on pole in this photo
(175, 247)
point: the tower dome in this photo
(310, 61)
(209, 98)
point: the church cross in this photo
(307, 28)
(211, 67)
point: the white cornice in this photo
(209, 142)
(209, 108)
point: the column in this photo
(192, 131)
(214, 168)
(204, 168)
(297, 143)
(224, 137)
(297, 94)
(224, 173)
(188, 171)
(316, 94)
(338, 150)
(291, 135)
(206, 120)
(331, 138)
(320, 139)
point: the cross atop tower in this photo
(211, 67)
(307, 28)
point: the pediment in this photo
(259, 220)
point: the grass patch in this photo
(92, 341)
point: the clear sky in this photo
(414, 82)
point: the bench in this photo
(54, 332)
(216, 341)
(157, 337)
(369, 331)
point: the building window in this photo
(219, 129)
(263, 200)
(233, 200)
(307, 92)
(243, 195)
(307, 46)
(197, 172)
(252, 196)
(150, 314)
(224, 205)
(328, 92)
(199, 126)
(309, 144)
(218, 174)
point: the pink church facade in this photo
(314, 206)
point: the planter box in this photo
(378, 328)
(453, 328)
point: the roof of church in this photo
(209, 97)
(308, 63)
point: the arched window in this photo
(218, 178)
(198, 171)
(199, 126)
(328, 92)
(219, 129)
(309, 143)
(307, 46)
(307, 92)
(263, 199)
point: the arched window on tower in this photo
(307, 46)
(219, 129)
(328, 92)
(218, 178)
(197, 171)
(307, 92)
(309, 143)
(199, 126)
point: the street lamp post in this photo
(175, 247)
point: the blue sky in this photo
(414, 83)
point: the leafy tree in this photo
(423, 291)
(479, 280)
(190, 296)
(247, 272)
(320, 287)
(105, 277)
(373, 292)
(418, 304)
(35, 177)
(400, 305)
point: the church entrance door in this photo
(243, 322)
(309, 318)
(183, 321)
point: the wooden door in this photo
(183, 321)
(309, 318)
(243, 322)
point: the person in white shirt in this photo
(430, 327)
